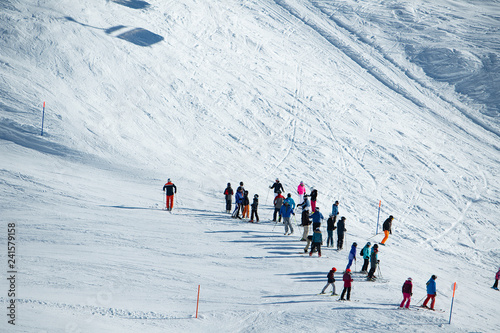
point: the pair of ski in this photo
(339, 299)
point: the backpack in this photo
(361, 252)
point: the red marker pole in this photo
(197, 301)
(378, 217)
(454, 287)
(43, 116)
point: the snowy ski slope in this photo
(365, 101)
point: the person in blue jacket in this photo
(317, 239)
(352, 254)
(431, 292)
(335, 211)
(290, 201)
(239, 203)
(286, 211)
(366, 256)
(316, 218)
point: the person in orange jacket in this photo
(170, 189)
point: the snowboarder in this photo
(340, 233)
(374, 262)
(278, 187)
(407, 293)
(290, 201)
(305, 222)
(316, 218)
(497, 277)
(314, 196)
(431, 292)
(246, 205)
(170, 189)
(347, 285)
(301, 190)
(335, 211)
(330, 226)
(286, 211)
(365, 252)
(238, 203)
(255, 205)
(317, 239)
(278, 202)
(228, 192)
(331, 281)
(387, 226)
(352, 254)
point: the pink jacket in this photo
(301, 189)
(497, 276)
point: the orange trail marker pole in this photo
(43, 116)
(197, 301)
(454, 287)
(378, 217)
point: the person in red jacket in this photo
(407, 293)
(169, 189)
(347, 285)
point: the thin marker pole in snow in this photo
(197, 301)
(378, 217)
(454, 286)
(43, 116)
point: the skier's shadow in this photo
(134, 4)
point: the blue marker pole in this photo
(43, 116)
(378, 217)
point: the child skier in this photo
(347, 285)
(497, 277)
(352, 255)
(431, 292)
(317, 239)
(331, 281)
(246, 205)
(365, 252)
(373, 261)
(407, 293)
(286, 211)
(255, 205)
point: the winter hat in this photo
(318, 229)
(168, 180)
(256, 196)
(348, 270)
(342, 218)
(334, 269)
(301, 183)
(409, 279)
(368, 244)
(336, 202)
(277, 180)
(354, 244)
(317, 208)
(375, 246)
(228, 184)
(434, 277)
(241, 183)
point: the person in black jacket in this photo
(340, 233)
(170, 189)
(387, 227)
(228, 192)
(330, 226)
(255, 205)
(278, 187)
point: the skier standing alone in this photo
(407, 293)
(387, 227)
(170, 189)
(255, 206)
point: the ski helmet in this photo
(334, 269)
(355, 244)
(410, 279)
(368, 244)
(256, 196)
(348, 270)
(317, 208)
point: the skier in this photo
(331, 281)
(305, 222)
(246, 205)
(347, 285)
(340, 233)
(278, 202)
(431, 292)
(290, 201)
(301, 190)
(365, 252)
(317, 239)
(314, 196)
(330, 226)
(255, 205)
(407, 293)
(309, 241)
(335, 211)
(374, 261)
(316, 217)
(228, 192)
(278, 187)
(241, 188)
(238, 203)
(286, 211)
(352, 255)
(497, 277)
(170, 189)
(387, 226)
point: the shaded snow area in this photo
(366, 101)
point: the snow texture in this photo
(396, 101)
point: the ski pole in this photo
(421, 299)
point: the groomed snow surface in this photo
(366, 101)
